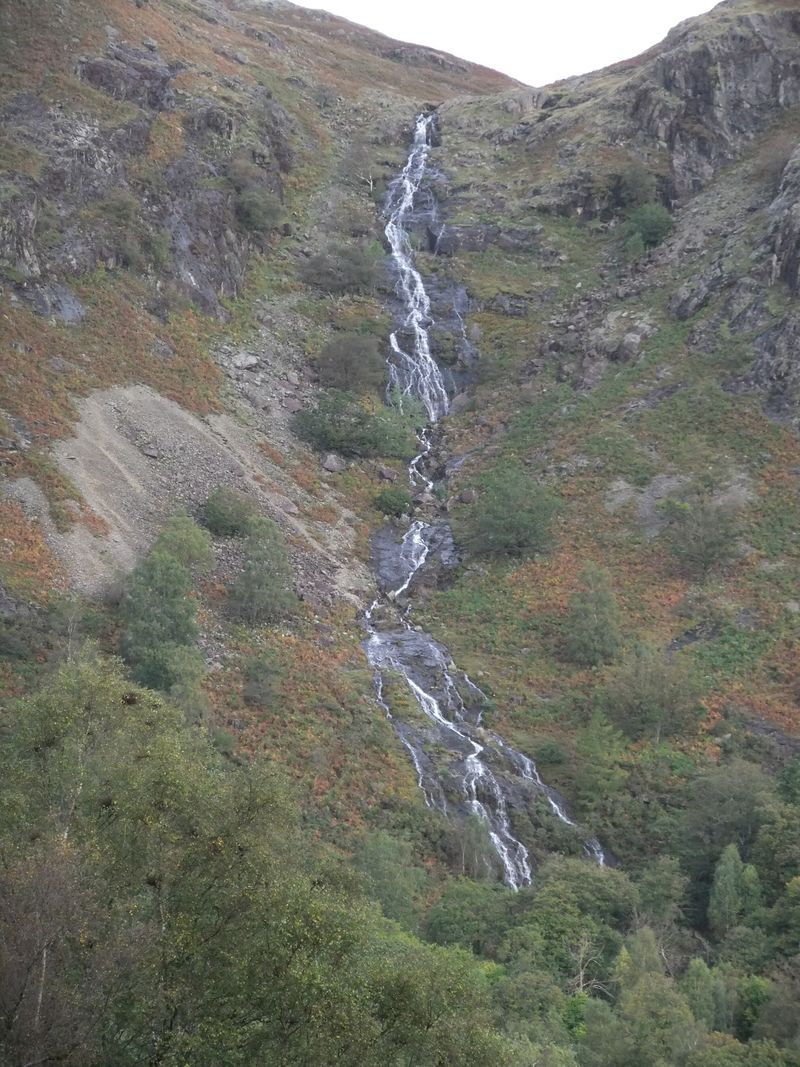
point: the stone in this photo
(150, 44)
(387, 474)
(151, 452)
(292, 405)
(245, 361)
(333, 464)
(467, 496)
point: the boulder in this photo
(333, 464)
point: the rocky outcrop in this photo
(19, 212)
(714, 85)
(785, 213)
(133, 74)
(101, 212)
(685, 109)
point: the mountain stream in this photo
(462, 768)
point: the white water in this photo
(416, 375)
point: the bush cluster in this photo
(262, 591)
(343, 267)
(339, 422)
(227, 512)
(512, 516)
(352, 362)
(392, 500)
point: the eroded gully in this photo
(462, 768)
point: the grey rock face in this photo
(131, 74)
(785, 213)
(54, 301)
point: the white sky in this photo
(535, 41)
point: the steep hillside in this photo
(399, 556)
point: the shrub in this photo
(634, 185)
(190, 545)
(159, 616)
(227, 512)
(120, 207)
(512, 516)
(652, 695)
(262, 592)
(261, 680)
(352, 361)
(243, 174)
(182, 670)
(701, 533)
(551, 753)
(258, 211)
(340, 268)
(652, 222)
(592, 622)
(393, 500)
(341, 423)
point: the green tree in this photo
(662, 893)
(187, 542)
(161, 905)
(391, 876)
(470, 914)
(600, 747)
(262, 591)
(339, 421)
(228, 512)
(652, 222)
(735, 892)
(512, 516)
(725, 901)
(634, 185)
(592, 623)
(698, 986)
(652, 695)
(352, 362)
(724, 805)
(159, 617)
(392, 500)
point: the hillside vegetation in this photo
(213, 846)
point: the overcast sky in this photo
(535, 41)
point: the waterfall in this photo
(482, 762)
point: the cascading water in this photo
(487, 769)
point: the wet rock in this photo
(333, 464)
